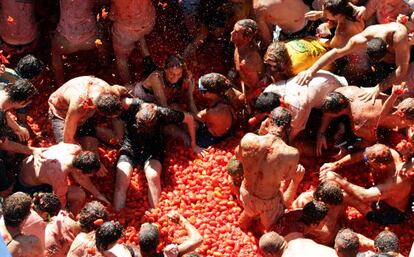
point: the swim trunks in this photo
(384, 214)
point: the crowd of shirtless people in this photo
(326, 79)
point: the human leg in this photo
(123, 176)
(152, 169)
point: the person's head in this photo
(335, 104)
(213, 85)
(244, 32)
(108, 105)
(91, 212)
(272, 244)
(405, 109)
(146, 118)
(336, 9)
(376, 49)
(386, 242)
(107, 234)
(277, 59)
(281, 118)
(87, 162)
(329, 193)
(16, 209)
(346, 243)
(46, 204)
(29, 67)
(266, 102)
(192, 254)
(314, 212)
(20, 93)
(378, 156)
(174, 69)
(148, 238)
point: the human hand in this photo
(300, 173)
(360, 12)
(323, 30)
(402, 18)
(399, 89)
(22, 133)
(329, 166)
(314, 15)
(328, 176)
(370, 94)
(171, 251)
(320, 144)
(199, 150)
(304, 77)
(174, 216)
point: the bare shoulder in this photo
(31, 244)
(250, 142)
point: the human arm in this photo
(365, 243)
(71, 122)
(364, 13)
(346, 160)
(290, 193)
(265, 31)
(191, 85)
(314, 15)
(14, 147)
(86, 183)
(21, 132)
(155, 82)
(397, 90)
(189, 121)
(320, 137)
(355, 43)
(194, 237)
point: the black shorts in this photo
(204, 138)
(88, 129)
(44, 188)
(384, 214)
(308, 30)
(138, 153)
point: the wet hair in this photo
(87, 161)
(107, 234)
(148, 238)
(16, 208)
(21, 90)
(108, 104)
(192, 254)
(334, 102)
(341, 7)
(272, 243)
(47, 202)
(277, 53)
(314, 212)
(329, 193)
(266, 102)
(347, 243)
(378, 153)
(407, 107)
(29, 67)
(382, 255)
(249, 27)
(376, 49)
(215, 83)
(281, 117)
(387, 241)
(90, 213)
(146, 117)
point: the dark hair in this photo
(334, 102)
(16, 208)
(249, 27)
(90, 213)
(146, 117)
(271, 243)
(214, 83)
(376, 49)
(192, 254)
(29, 67)
(387, 241)
(314, 212)
(378, 153)
(407, 107)
(148, 238)
(281, 117)
(341, 7)
(266, 102)
(87, 161)
(107, 234)
(277, 52)
(382, 255)
(47, 202)
(329, 192)
(20, 91)
(347, 242)
(108, 104)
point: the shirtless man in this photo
(387, 10)
(266, 160)
(386, 202)
(133, 20)
(273, 245)
(300, 100)
(16, 209)
(53, 169)
(351, 244)
(18, 27)
(384, 42)
(72, 105)
(247, 59)
(288, 15)
(219, 117)
(76, 31)
(106, 237)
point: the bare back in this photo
(25, 246)
(219, 119)
(299, 246)
(267, 160)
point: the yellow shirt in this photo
(304, 53)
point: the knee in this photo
(152, 170)
(123, 168)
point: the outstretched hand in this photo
(370, 94)
(304, 77)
